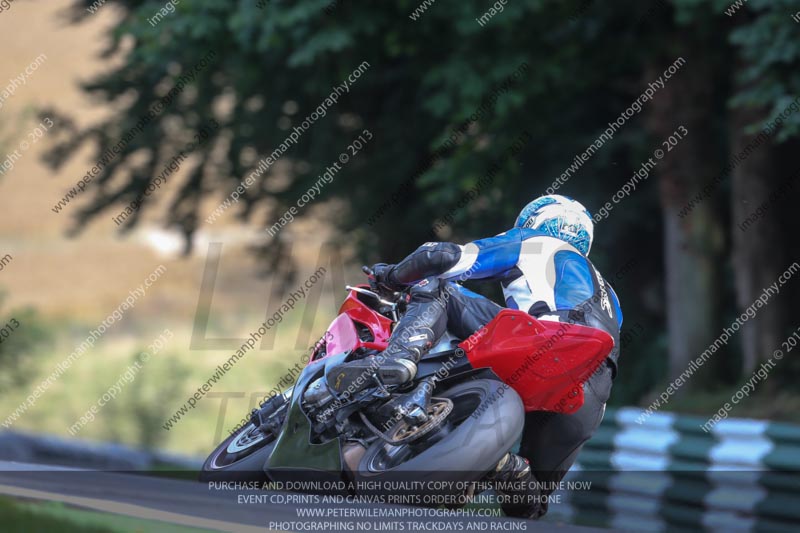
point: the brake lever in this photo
(373, 281)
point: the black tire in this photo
(245, 465)
(485, 423)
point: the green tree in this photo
(22, 332)
(586, 62)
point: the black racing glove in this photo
(384, 278)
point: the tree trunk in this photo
(693, 242)
(758, 257)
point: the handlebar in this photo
(394, 295)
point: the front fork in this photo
(262, 418)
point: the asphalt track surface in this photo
(194, 504)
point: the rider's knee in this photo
(426, 289)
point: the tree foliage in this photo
(273, 67)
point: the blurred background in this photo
(687, 252)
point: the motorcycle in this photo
(461, 413)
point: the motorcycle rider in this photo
(543, 269)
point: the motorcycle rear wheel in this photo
(486, 422)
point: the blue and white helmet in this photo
(560, 217)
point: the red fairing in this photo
(342, 335)
(545, 362)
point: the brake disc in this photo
(403, 432)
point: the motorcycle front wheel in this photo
(240, 457)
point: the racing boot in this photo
(512, 478)
(423, 324)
